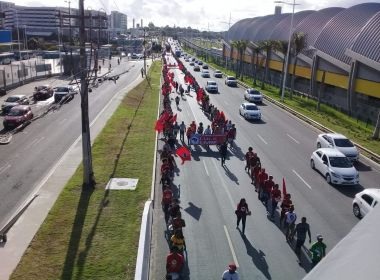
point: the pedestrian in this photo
(275, 199)
(176, 128)
(176, 86)
(200, 128)
(182, 130)
(318, 250)
(290, 220)
(241, 212)
(267, 190)
(142, 72)
(255, 171)
(177, 99)
(223, 152)
(230, 273)
(174, 263)
(263, 176)
(188, 88)
(189, 134)
(207, 130)
(285, 205)
(248, 156)
(301, 229)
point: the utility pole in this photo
(88, 173)
(144, 43)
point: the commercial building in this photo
(118, 23)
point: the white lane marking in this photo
(5, 167)
(295, 140)
(231, 246)
(262, 139)
(224, 186)
(204, 163)
(39, 140)
(302, 179)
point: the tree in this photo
(299, 43)
(33, 44)
(266, 45)
(376, 131)
(241, 46)
(255, 60)
(282, 47)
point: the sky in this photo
(213, 15)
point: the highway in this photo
(209, 194)
(34, 150)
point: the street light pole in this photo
(88, 174)
(288, 51)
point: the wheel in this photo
(245, 116)
(328, 178)
(319, 145)
(356, 210)
(312, 164)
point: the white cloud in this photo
(201, 14)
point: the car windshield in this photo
(217, 72)
(253, 91)
(231, 78)
(251, 108)
(16, 112)
(343, 142)
(62, 89)
(12, 99)
(211, 83)
(341, 162)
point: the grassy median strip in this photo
(94, 234)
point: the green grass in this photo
(358, 131)
(94, 234)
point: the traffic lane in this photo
(228, 187)
(34, 150)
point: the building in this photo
(118, 23)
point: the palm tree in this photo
(282, 47)
(376, 131)
(266, 45)
(240, 45)
(299, 43)
(255, 60)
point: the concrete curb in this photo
(372, 156)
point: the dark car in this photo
(17, 116)
(12, 101)
(200, 62)
(197, 68)
(43, 92)
(204, 66)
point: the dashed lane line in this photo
(231, 246)
(295, 140)
(262, 139)
(302, 179)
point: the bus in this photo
(7, 58)
(23, 55)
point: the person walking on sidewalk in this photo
(275, 199)
(290, 220)
(318, 250)
(223, 152)
(182, 130)
(241, 213)
(301, 229)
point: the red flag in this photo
(173, 119)
(159, 126)
(183, 153)
(164, 117)
(283, 187)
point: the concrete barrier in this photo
(143, 252)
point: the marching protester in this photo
(285, 206)
(301, 229)
(176, 128)
(318, 250)
(275, 199)
(223, 152)
(290, 219)
(230, 273)
(248, 156)
(241, 213)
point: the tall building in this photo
(133, 23)
(118, 23)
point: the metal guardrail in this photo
(373, 156)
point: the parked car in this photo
(17, 115)
(250, 111)
(43, 92)
(253, 95)
(12, 101)
(211, 86)
(339, 142)
(187, 60)
(191, 63)
(231, 81)
(63, 91)
(204, 66)
(205, 74)
(218, 74)
(200, 62)
(334, 166)
(197, 68)
(365, 201)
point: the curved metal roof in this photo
(341, 31)
(368, 41)
(281, 30)
(238, 29)
(247, 34)
(261, 29)
(312, 25)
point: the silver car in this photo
(339, 142)
(253, 95)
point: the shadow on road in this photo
(360, 166)
(258, 257)
(237, 152)
(231, 175)
(193, 211)
(349, 191)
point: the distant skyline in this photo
(205, 15)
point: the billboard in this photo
(5, 36)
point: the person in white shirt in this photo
(230, 273)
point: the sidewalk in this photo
(21, 234)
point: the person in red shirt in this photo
(167, 196)
(263, 176)
(248, 156)
(268, 186)
(165, 167)
(256, 170)
(193, 127)
(174, 262)
(241, 213)
(231, 135)
(275, 199)
(285, 206)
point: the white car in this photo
(364, 202)
(253, 95)
(63, 91)
(334, 166)
(205, 74)
(218, 74)
(250, 111)
(211, 86)
(339, 142)
(231, 81)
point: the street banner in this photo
(212, 139)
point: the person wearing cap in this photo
(230, 273)
(318, 250)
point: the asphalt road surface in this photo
(34, 150)
(209, 194)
